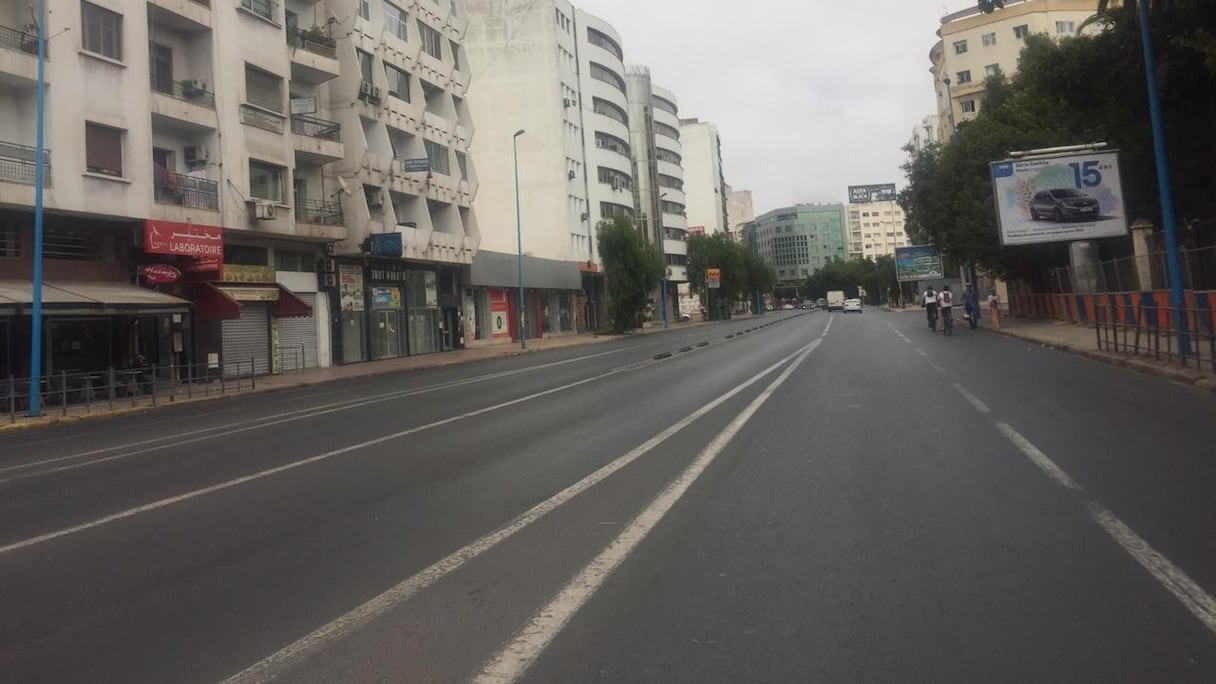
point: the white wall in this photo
(703, 175)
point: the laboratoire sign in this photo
(185, 239)
(1075, 196)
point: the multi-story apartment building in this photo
(659, 201)
(403, 171)
(974, 45)
(557, 74)
(704, 184)
(185, 214)
(925, 133)
(739, 212)
(875, 229)
(799, 240)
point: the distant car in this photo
(787, 306)
(851, 305)
(685, 316)
(1060, 204)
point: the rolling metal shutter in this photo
(299, 335)
(247, 337)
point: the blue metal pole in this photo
(1173, 263)
(519, 242)
(39, 153)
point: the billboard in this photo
(919, 262)
(1075, 196)
(883, 192)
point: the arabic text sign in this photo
(918, 262)
(883, 192)
(1061, 197)
(415, 165)
(166, 237)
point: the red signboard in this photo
(185, 239)
(160, 274)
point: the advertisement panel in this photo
(713, 278)
(1075, 196)
(918, 262)
(386, 298)
(498, 314)
(881, 192)
(350, 287)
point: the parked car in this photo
(851, 305)
(1059, 204)
(685, 317)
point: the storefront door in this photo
(386, 335)
(247, 339)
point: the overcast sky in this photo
(809, 96)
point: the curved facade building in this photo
(669, 182)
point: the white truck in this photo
(835, 300)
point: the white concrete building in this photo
(654, 136)
(874, 229)
(974, 45)
(739, 212)
(704, 185)
(926, 133)
(555, 73)
(178, 144)
(403, 173)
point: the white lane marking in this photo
(899, 334)
(828, 327)
(1040, 459)
(972, 399)
(282, 661)
(203, 434)
(1191, 595)
(518, 655)
(169, 501)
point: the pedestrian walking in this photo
(971, 303)
(929, 300)
(994, 308)
(945, 303)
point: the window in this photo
(602, 73)
(614, 178)
(462, 162)
(666, 155)
(992, 70)
(989, 39)
(398, 82)
(612, 143)
(242, 255)
(365, 65)
(394, 20)
(103, 149)
(455, 54)
(601, 39)
(438, 156)
(968, 106)
(102, 30)
(291, 260)
(432, 42)
(964, 76)
(960, 46)
(1066, 28)
(364, 9)
(672, 182)
(1021, 31)
(9, 242)
(665, 105)
(266, 181)
(609, 110)
(562, 20)
(70, 244)
(263, 89)
(666, 130)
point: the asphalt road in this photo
(825, 498)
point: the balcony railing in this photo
(319, 211)
(316, 128)
(22, 41)
(267, 9)
(17, 163)
(186, 191)
(189, 91)
(314, 42)
(257, 118)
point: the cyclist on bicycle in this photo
(930, 302)
(945, 301)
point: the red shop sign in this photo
(160, 274)
(186, 239)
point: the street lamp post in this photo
(519, 241)
(39, 170)
(949, 102)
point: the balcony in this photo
(17, 164)
(170, 187)
(190, 15)
(260, 118)
(314, 57)
(184, 105)
(19, 58)
(319, 212)
(316, 141)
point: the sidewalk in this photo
(479, 351)
(1082, 340)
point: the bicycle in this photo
(947, 321)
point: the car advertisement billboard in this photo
(1076, 196)
(918, 262)
(882, 192)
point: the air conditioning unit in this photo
(365, 89)
(616, 184)
(570, 175)
(584, 216)
(328, 265)
(599, 143)
(195, 154)
(375, 96)
(264, 210)
(567, 102)
(194, 87)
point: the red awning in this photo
(213, 304)
(291, 306)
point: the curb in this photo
(1181, 377)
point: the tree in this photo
(632, 269)
(741, 272)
